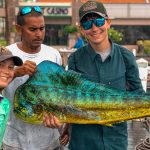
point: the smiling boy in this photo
(7, 64)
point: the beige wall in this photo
(122, 14)
(122, 1)
(130, 21)
(54, 1)
(104, 1)
(57, 20)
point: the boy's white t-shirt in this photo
(18, 133)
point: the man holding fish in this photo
(101, 61)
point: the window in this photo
(133, 33)
(54, 35)
(1, 3)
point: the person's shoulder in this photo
(48, 48)
(48, 51)
(122, 49)
(127, 55)
(81, 50)
(12, 46)
(79, 54)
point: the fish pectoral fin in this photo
(109, 125)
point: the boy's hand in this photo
(28, 67)
(51, 121)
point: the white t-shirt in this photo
(18, 133)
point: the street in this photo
(137, 133)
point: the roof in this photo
(103, 1)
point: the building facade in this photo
(132, 17)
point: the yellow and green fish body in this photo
(74, 99)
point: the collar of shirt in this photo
(93, 54)
(1, 97)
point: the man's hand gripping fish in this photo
(74, 99)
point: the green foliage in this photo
(147, 50)
(145, 44)
(70, 29)
(3, 42)
(115, 35)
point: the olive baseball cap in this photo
(6, 54)
(92, 7)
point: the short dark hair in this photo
(20, 18)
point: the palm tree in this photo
(10, 6)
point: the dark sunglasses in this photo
(28, 9)
(88, 24)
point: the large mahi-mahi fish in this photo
(74, 99)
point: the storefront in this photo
(56, 17)
(129, 17)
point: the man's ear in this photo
(108, 23)
(18, 28)
(81, 30)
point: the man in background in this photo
(78, 41)
(101, 61)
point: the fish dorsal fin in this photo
(50, 73)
